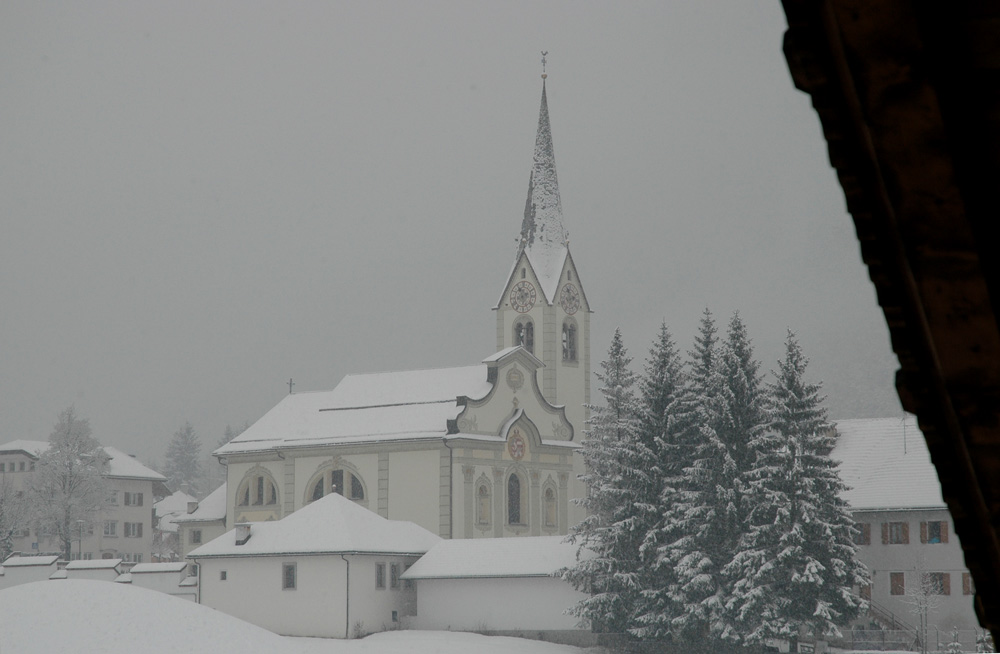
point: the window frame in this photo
(380, 576)
(194, 538)
(897, 583)
(289, 575)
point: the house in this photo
(906, 533)
(204, 521)
(331, 569)
(166, 545)
(502, 586)
(19, 570)
(125, 529)
(482, 451)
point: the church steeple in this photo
(543, 237)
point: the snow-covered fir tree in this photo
(663, 418)
(796, 565)
(69, 488)
(183, 468)
(700, 506)
(743, 416)
(617, 479)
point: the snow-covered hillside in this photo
(108, 618)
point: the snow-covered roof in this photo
(120, 464)
(94, 564)
(176, 503)
(34, 448)
(333, 524)
(24, 561)
(124, 578)
(543, 237)
(886, 464)
(148, 568)
(404, 405)
(59, 574)
(211, 508)
(126, 466)
(538, 556)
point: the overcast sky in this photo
(201, 200)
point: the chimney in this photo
(242, 533)
(192, 507)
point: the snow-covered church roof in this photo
(408, 405)
(886, 464)
(544, 239)
(331, 525)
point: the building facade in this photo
(124, 530)
(489, 450)
(906, 535)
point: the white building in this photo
(169, 577)
(126, 528)
(203, 522)
(329, 570)
(166, 544)
(907, 537)
(487, 450)
(501, 586)
(19, 570)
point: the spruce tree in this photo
(699, 505)
(661, 409)
(183, 468)
(797, 563)
(617, 468)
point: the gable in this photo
(515, 395)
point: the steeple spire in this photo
(543, 236)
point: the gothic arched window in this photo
(569, 340)
(514, 501)
(524, 334)
(549, 507)
(483, 504)
(338, 481)
(258, 488)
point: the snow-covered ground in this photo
(108, 618)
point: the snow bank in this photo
(85, 617)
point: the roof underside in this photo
(908, 94)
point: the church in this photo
(483, 451)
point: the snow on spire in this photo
(543, 237)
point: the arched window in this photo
(514, 503)
(549, 508)
(337, 480)
(483, 504)
(569, 341)
(257, 489)
(524, 334)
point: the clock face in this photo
(522, 297)
(569, 299)
(516, 446)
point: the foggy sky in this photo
(201, 200)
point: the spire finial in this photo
(544, 55)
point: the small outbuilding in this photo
(331, 569)
(26, 569)
(96, 569)
(169, 577)
(501, 586)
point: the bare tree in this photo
(924, 600)
(13, 516)
(69, 487)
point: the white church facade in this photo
(489, 450)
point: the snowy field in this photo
(102, 617)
